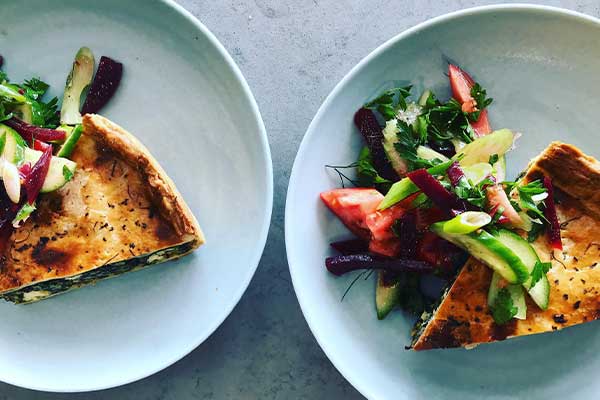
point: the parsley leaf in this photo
(45, 114)
(525, 197)
(408, 141)
(534, 233)
(3, 77)
(67, 174)
(540, 269)
(390, 102)
(474, 194)
(367, 174)
(479, 95)
(493, 159)
(503, 309)
(447, 121)
(23, 213)
(34, 88)
(4, 113)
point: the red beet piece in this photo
(438, 194)
(340, 265)
(30, 132)
(352, 246)
(551, 216)
(455, 173)
(24, 170)
(367, 124)
(104, 85)
(35, 178)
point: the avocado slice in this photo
(424, 97)
(29, 112)
(60, 172)
(390, 138)
(478, 151)
(489, 250)
(69, 145)
(24, 112)
(387, 293)
(78, 80)
(540, 292)
(13, 145)
(429, 154)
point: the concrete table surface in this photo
(292, 53)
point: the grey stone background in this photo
(292, 53)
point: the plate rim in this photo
(292, 256)
(262, 235)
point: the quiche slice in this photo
(119, 213)
(463, 318)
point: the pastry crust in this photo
(463, 318)
(120, 212)
(170, 202)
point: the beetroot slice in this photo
(455, 173)
(30, 132)
(24, 170)
(339, 265)
(104, 86)
(352, 246)
(551, 216)
(438, 194)
(366, 122)
(35, 178)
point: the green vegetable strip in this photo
(9, 94)
(405, 187)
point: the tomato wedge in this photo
(380, 222)
(352, 205)
(482, 125)
(496, 197)
(461, 84)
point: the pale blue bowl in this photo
(542, 67)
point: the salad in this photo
(37, 138)
(429, 191)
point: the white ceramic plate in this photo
(541, 65)
(184, 97)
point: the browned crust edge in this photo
(572, 172)
(168, 200)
